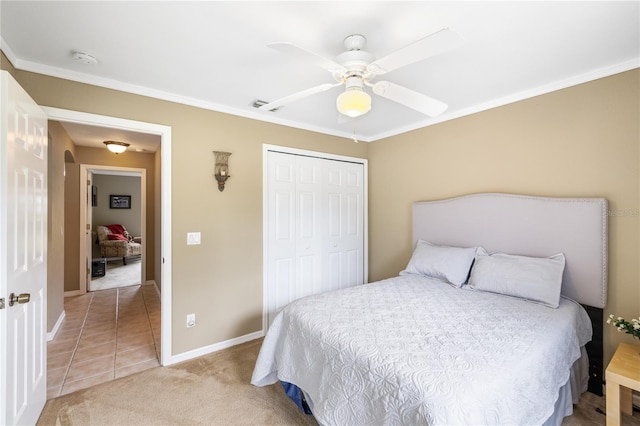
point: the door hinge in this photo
(1, 302)
(88, 182)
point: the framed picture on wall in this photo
(120, 201)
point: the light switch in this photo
(193, 238)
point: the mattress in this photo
(415, 350)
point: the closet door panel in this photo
(345, 238)
(316, 207)
(310, 224)
(284, 290)
(334, 278)
(281, 244)
(334, 215)
(308, 277)
(308, 220)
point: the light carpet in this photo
(118, 275)
(210, 390)
(213, 389)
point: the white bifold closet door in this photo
(315, 227)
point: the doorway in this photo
(109, 332)
(113, 263)
(161, 230)
(162, 206)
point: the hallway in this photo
(105, 335)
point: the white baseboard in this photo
(72, 293)
(185, 356)
(52, 334)
(154, 284)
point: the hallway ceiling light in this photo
(116, 147)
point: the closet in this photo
(314, 226)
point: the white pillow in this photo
(450, 264)
(533, 278)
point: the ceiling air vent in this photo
(258, 103)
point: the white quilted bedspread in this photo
(412, 350)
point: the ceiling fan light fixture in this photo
(116, 147)
(353, 102)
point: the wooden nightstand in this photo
(622, 375)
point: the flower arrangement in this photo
(630, 327)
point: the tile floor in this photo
(105, 335)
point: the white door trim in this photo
(265, 202)
(85, 251)
(164, 132)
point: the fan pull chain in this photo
(353, 136)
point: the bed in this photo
(441, 344)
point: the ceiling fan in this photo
(357, 68)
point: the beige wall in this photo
(103, 214)
(579, 142)
(72, 226)
(59, 145)
(221, 279)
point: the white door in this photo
(315, 227)
(23, 255)
(344, 238)
(310, 199)
(281, 233)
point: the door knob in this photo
(20, 299)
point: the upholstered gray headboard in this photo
(527, 225)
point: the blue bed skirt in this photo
(296, 395)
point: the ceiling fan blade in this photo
(306, 55)
(402, 95)
(433, 44)
(299, 95)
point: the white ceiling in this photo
(94, 136)
(214, 54)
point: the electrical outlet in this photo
(191, 320)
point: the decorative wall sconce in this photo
(221, 171)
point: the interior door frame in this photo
(165, 258)
(266, 148)
(86, 252)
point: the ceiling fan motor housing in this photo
(355, 60)
(353, 82)
(355, 42)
